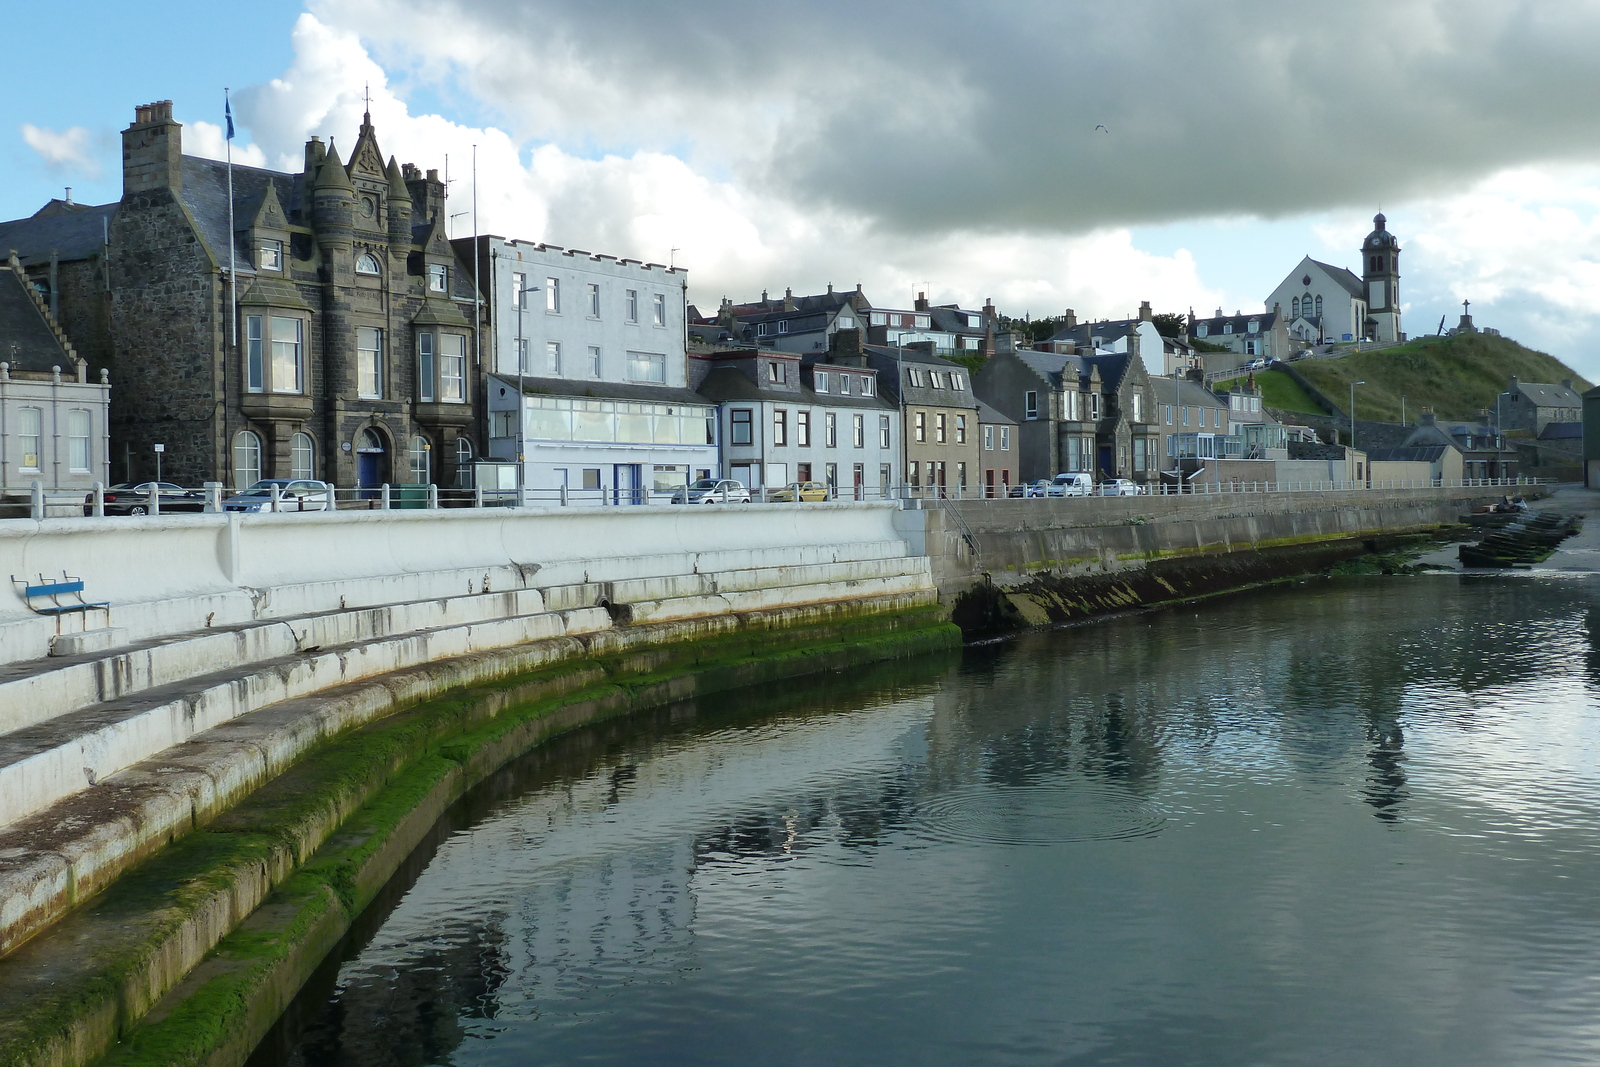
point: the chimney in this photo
(1512, 387)
(1070, 319)
(1145, 314)
(921, 303)
(152, 150)
(316, 151)
(1566, 383)
(1426, 419)
(788, 299)
(830, 288)
(845, 347)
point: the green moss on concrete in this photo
(372, 785)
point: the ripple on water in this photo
(1043, 813)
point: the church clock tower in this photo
(1380, 257)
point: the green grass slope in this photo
(1278, 390)
(1456, 376)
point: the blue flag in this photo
(227, 109)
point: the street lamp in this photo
(522, 308)
(1353, 412)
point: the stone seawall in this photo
(1015, 562)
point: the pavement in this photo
(1580, 553)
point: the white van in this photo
(1079, 484)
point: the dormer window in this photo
(1255, 326)
(1202, 329)
(438, 277)
(866, 387)
(269, 255)
(775, 372)
(367, 263)
(1227, 327)
(844, 384)
(821, 378)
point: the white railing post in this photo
(99, 500)
(277, 497)
(383, 497)
(213, 497)
(433, 497)
(564, 496)
(36, 500)
(155, 499)
(477, 496)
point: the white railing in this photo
(56, 503)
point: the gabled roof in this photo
(205, 194)
(1412, 454)
(1350, 282)
(653, 394)
(1189, 393)
(820, 302)
(729, 383)
(1057, 368)
(26, 340)
(1108, 331)
(989, 414)
(72, 235)
(1550, 396)
(1561, 431)
(1264, 321)
(954, 320)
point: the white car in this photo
(712, 491)
(294, 494)
(1120, 487)
(1078, 484)
(1259, 363)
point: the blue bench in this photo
(46, 598)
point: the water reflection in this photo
(1146, 841)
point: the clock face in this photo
(369, 207)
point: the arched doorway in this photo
(372, 462)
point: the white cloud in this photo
(206, 139)
(70, 151)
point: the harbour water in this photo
(1351, 821)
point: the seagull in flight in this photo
(1102, 128)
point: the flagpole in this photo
(233, 288)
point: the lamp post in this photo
(1353, 412)
(522, 308)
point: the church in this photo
(1327, 304)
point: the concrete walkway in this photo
(1579, 554)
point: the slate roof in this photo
(886, 358)
(1562, 431)
(1190, 394)
(1342, 275)
(1414, 454)
(73, 235)
(954, 320)
(987, 414)
(22, 324)
(730, 383)
(821, 302)
(1052, 366)
(647, 394)
(1550, 396)
(1108, 331)
(1241, 324)
(205, 194)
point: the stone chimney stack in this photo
(1512, 387)
(152, 151)
(1070, 319)
(1566, 383)
(1426, 418)
(316, 151)
(921, 303)
(788, 299)
(844, 348)
(1145, 314)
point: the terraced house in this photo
(318, 324)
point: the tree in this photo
(1171, 323)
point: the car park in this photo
(1120, 487)
(133, 498)
(294, 494)
(804, 490)
(712, 491)
(1076, 484)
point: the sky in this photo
(1046, 154)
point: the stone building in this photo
(52, 415)
(352, 356)
(1328, 304)
(1532, 407)
(939, 412)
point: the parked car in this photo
(133, 498)
(1259, 363)
(1030, 489)
(295, 494)
(806, 491)
(1075, 484)
(1120, 487)
(712, 491)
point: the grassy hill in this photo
(1456, 376)
(1278, 390)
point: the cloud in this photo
(202, 138)
(68, 152)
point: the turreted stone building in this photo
(352, 354)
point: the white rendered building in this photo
(1339, 306)
(595, 347)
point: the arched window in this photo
(246, 459)
(420, 468)
(302, 457)
(463, 462)
(1294, 308)
(367, 264)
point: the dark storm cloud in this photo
(933, 116)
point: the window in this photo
(1030, 405)
(1168, 413)
(1319, 307)
(774, 371)
(1140, 448)
(958, 382)
(255, 372)
(591, 477)
(780, 427)
(866, 387)
(301, 456)
(961, 429)
(859, 431)
(830, 430)
(647, 367)
(938, 428)
(1071, 403)
(831, 473)
(417, 453)
(961, 475)
(661, 310)
(453, 368)
(919, 423)
(1005, 439)
(269, 256)
(878, 318)
(915, 375)
(552, 295)
(802, 430)
(30, 432)
(1253, 326)
(594, 300)
(367, 263)
(821, 378)
(933, 379)
(464, 462)
(885, 477)
(631, 305)
(594, 361)
(425, 390)
(369, 362)
(844, 385)
(988, 438)
(1186, 414)
(287, 355)
(552, 356)
(883, 431)
(783, 324)
(924, 321)
(1138, 407)
(969, 342)
(1294, 308)
(438, 278)
(1227, 327)
(802, 472)
(1202, 329)
(741, 426)
(246, 459)
(1094, 406)
(916, 475)
(78, 441)
(519, 299)
(524, 364)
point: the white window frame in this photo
(248, 444)
(858, 430)
(820, 379)
(630, 305)
(883, 431)
(269, 255)
(594, 361)
(79, 453)
(302, 455)
(1030, 404)
(519, 298)
(376, 269)
(427, 368)
(35, 416)
(288, 355)
(453, 368)
(660, 311)
(438, 278)
(369, 363)
(652, 364)
(552, 296)
(594, 300)
(552, 357)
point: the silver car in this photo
(1120, 487)
(294, 494)
(712, 491)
